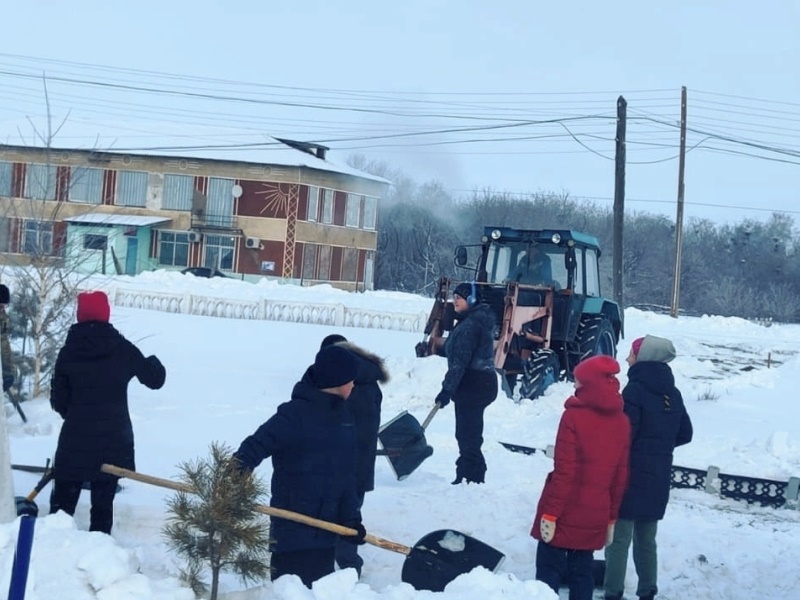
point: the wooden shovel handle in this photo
(267, 510)
(429, 418)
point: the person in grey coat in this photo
(471, 379)
(659, 423)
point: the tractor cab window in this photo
(530, 264)
(592, 273)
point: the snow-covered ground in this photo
(225, 376)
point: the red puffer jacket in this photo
(585, 488)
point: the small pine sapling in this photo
(217, 528)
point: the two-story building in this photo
(281, 211)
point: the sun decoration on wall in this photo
(276, 197)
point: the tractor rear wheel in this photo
(596, 335)
(540, 371)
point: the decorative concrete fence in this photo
(753, 490)
(266, 309)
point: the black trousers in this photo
(65, 497)
(477, 390)
(554, 565)
(308, 565)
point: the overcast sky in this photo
(393, 81)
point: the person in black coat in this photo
(312, 442)
(365, 405)
(659, 423)
(471, 379)
(89, 389)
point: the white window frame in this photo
(37, 238)
(40, 181)
(178, 192)
(85, 185)
(352, 210)
(370, 218)
(174, 242)
(327, 206)
(313, 204)
(6, 177)
(131, 188)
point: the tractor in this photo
(544, 288)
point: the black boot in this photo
(457, 480)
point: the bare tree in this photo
(43, 286)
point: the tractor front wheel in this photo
(541, 370)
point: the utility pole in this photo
(619, 199)
(676, 279)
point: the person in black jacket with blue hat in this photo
(659, 423)
(471, 379)
(365, 405)
(89, 390)
(312, 442)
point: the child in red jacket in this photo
(582, 495)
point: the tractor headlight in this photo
(555, 238)
(496, 234)
(570, 243)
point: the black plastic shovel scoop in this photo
(436, 560)
(403, 442)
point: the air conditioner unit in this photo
(195, 236)
(252, 242)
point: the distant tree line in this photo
(749, 270)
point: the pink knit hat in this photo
(636, 345)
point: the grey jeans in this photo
(645, 557)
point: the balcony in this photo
(202, 221)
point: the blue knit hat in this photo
(334, 366)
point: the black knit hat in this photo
(5, 295)
(331, 339)
(334, 366)
(465, 290)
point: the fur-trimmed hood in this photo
(372, 367)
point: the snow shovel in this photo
(403, 442)
(436, 560)
(26, 504)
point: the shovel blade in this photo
(441, 556)
(26, 507)
(403, 439)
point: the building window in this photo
(313, 204)
(219, 203)
(370, 212)
(92, 241)
(309, 261)
(327, 206)
(219, 252)
(352, 211)
(6, 170)
(37, 238)
(324, 263)
(131, 188)
(5, 234)
(173, 249)
(178, 192)
(40, 182)
(85, 185)
(349, 264)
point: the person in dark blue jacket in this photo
(471, 379)
(89, 390)
(312, 442)
(365, 405)
(659, 423)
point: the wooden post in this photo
(676, 278)
(619, 199)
